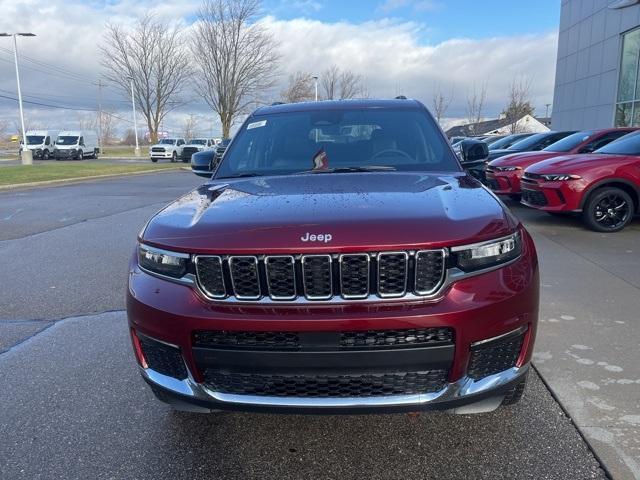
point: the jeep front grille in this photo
(321, 277)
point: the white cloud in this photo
(390, 55)
(389, 6)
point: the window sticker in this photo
(259, 124)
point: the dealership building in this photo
(597, 80)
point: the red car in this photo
(503, 174)
(339, 260)
(603, 186)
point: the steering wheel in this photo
(390, 150)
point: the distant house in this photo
(501, 126)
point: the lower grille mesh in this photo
(494, 358)
(163, 358)
(327, 385)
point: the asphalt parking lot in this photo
(74, 406)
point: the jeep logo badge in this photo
(320, 237)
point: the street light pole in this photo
(316, 83)
(135, 124)
(26, 155)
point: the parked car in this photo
(41, 143)
(509, 140)
(603, 186)
(534, 143)
(170, 148)
(493, 139)
(76, 144)
(318, 273)
(196, 145)
(503, 174)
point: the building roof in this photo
(489, 126)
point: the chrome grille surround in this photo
(318, 278)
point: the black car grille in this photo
(534, 197)
(493, 184)
(188, 151)
(348, 340)
(321, 277)
(158, 149)
(494, 357)
(324, 386)
(163, 358)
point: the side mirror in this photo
(203, 174)
(472, 151)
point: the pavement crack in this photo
(48, 325)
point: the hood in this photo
(575, 163)
(358, 211)
(523, 159)
(501, 152)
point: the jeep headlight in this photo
(479, 256)
(163, 262)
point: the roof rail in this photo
(400, 97)
(277, 103)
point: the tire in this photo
(95, 153)
(514, 395)
(45, 155)
(515, 197)
(154, 160)
(174, 157)
(608, 209)
(80, 155)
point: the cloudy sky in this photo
(407, 47)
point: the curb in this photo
(84, 179)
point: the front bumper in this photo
(66, 153)
(504, 183)
(552, 196)
(160, 154)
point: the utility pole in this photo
(26, 155)
(546, 113)
(315, 79)
(100, 85)
(135, 124)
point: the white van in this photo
(41, 143)
(76, 144)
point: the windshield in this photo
(570, 142)
(506, 142)
(627, 145)
(35, 139)
(286, 143)
(198, 141)
(528, 142)
(67, 140)
(167, 141)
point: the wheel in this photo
(174, 157)
(45, 154)
(514, 395)
(608, 209)
(154, 160)
(80, 155)
(95, 153)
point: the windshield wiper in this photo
(370, 168)
(241, 175)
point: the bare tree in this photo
(338, 83)
(299, 89)
(237, 57)
(441, 102)
(190, 125)
(109, 126)
(152, 55)
(518, 103)
(475, 106)
(87, 121)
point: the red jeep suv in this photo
(339, 260)
(603, 186)
(503, 174)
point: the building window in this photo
(628, 102)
